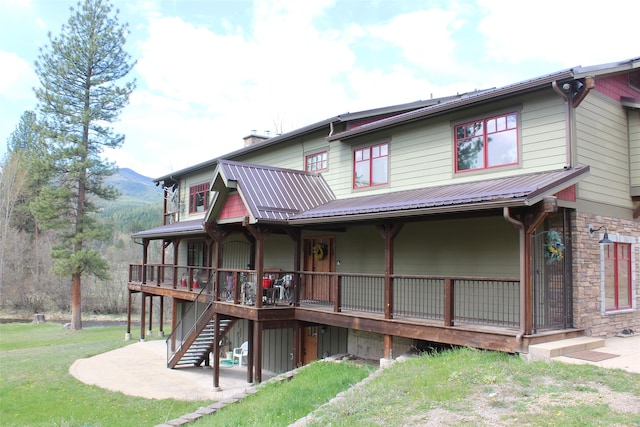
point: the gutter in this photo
(521, 232)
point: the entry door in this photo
(310, 351)
(320, 258)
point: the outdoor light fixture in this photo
(605, 238)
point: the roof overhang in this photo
(517, 191)
(182, 228)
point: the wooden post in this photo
(143, 310)
(257, 352)
(388, 346)
(127, 335)
(216, 352)
(449, 303)
(250, 332)
(161, 331)
(389, 231)
(150, 314)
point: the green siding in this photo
(479, 247)
(421, 155)
(602, 140)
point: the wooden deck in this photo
(282, 313)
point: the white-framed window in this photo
(618, 262)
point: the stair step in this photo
(547, 350)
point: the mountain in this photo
(139, 206)
(135, 189)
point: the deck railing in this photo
(477, 300)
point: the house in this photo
(495, 219)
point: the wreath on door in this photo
(554, 247)
(319, 251)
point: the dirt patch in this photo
(508, 405)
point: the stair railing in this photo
(193, 317)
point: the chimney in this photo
(253, 138)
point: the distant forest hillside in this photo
(139, 206)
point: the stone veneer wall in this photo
(587, 290)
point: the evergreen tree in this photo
(79, 96)
(26, 146)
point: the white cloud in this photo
(568, 32)
(424, 37)
(16, 77)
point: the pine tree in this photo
(79, 96)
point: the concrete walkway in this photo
(140, 369)
(626, 349)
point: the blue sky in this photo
(211, 71)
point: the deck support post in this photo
(257, 352)
(127, 335)
(143, 311)
(388, 346)
(149, 331)
(161, 326)
(216, 352)
(250, 332)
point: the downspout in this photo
(567, 118)
(507, 216)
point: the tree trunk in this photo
(76, 304)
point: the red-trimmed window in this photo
(198, 200)
(617, 276)
(487, 143)
(316, 161)
(371, 166)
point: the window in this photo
(198, 200)
(617, 276)
(197, 254)
(316, 162)
(371, 166)
(487, 143)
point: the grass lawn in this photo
(36, 388)
(281, 404)
(467, 387)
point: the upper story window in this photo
(617, 276)
(487, 143)
(371, 166)
(198, 200)
(316, 161)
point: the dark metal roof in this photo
(296, 133)
(181, 228)
(275, 194)
(522, 190)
